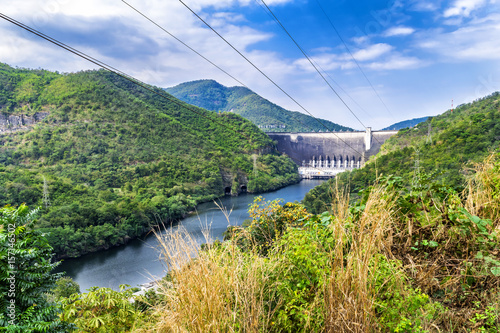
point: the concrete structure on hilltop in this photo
(321, 155)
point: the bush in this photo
(25, 275)
(101, 310)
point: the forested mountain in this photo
(438, 148)
(404, 124)
(268, 116)
(107, 159)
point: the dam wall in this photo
(332, 149)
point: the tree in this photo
(65, 287)
(25, 275)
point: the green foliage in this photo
(25, 275)
(211, 95)
(304, 257)
(118, 159)
(65, 287)
(101, 310)
(399, 307)
(487, 319)
(268, 166)
(269, 220)
(401, 258)
(468, 134)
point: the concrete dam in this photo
(326, 154)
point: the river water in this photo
(137, 262)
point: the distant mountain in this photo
(268, 116)
(405, 124)
(107, 160)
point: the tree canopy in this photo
(111, 159)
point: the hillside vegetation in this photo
(403, 258)
(405, 124)
(111, 159)
(408, 253)
(441, 148)
(268, 116)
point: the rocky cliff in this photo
(17, 122)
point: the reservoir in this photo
(137, 262)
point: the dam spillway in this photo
(325, 154)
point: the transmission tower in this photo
(254, 165)
(46, 199)
(429, 136)
(416, 173)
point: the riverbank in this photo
(172, 221)
(137, 262)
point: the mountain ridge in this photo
(405, 124)
(271, 117)
(109, 160)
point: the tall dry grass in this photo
(483, 190)
(351, 293)
(219, 289)
(223, 289)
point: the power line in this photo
(324, 71)
(312, 64)
(156, 24)
(345, 92)
(180, 41)
(199, 54)
(265, 75)
(120, 74)
(114, 70)
(317, 70)
(353, 58)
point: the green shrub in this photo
(303, 257)
(399, 307)
(101, 310)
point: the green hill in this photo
(405, 124)
(268, 116)
(107, 159)
(438, 148)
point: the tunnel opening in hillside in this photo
(227, 190)
(243, 189)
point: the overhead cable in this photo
(199, 54)
(114, 70)
(266, 76)
(312, 64)
(121, 74)
(353, 58)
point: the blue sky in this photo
(417, 54)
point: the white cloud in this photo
(225, 17)
(476, 41)
(360, 40)
(396, 62)
(399, 31)
(372, 52)
(389, 60)
(425, 6)
(218, 4)
(142, 50)
(463, 7)
(326, 61)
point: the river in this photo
(137, 262)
